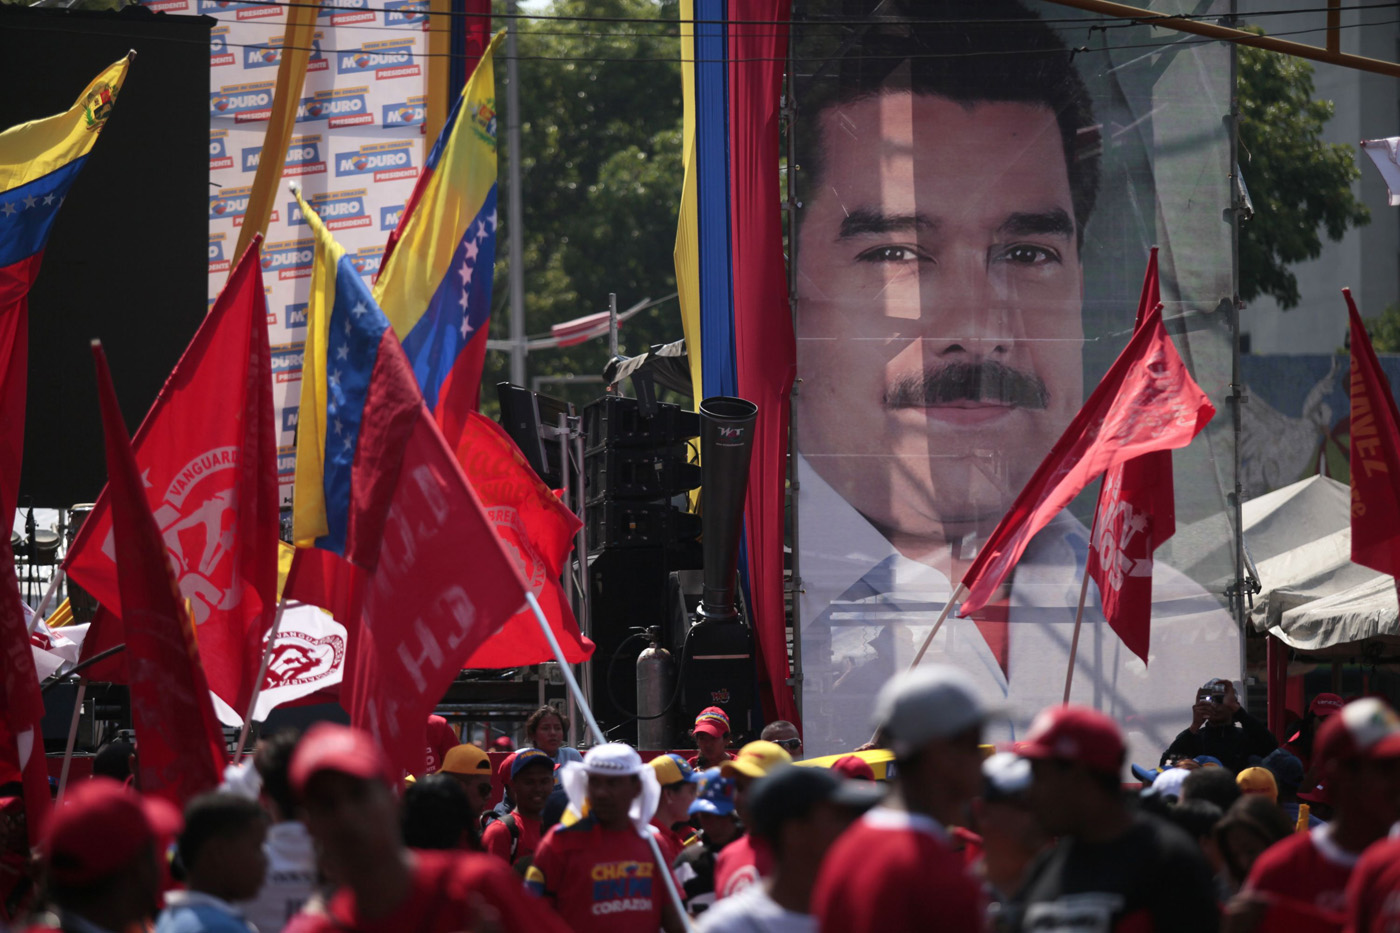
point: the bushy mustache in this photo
(987, 381)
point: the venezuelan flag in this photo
(38, 162)
(435, 283)
(351, 422)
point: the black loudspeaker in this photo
(126, 260)
(627, 591)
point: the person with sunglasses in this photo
(784, 735)
(470, 767)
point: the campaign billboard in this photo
(979, 193)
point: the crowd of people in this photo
(1230, 831)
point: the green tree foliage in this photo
(1300, 185)
(601, 160)
(1384, 330)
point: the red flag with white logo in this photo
(1135, 515)
(182, 746)
(1375, 456)
(22, 709)
(207, 457)
(1147, 401)
(537, 530)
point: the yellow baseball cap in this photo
(755, 760)
(1258, 781)
(466, 759)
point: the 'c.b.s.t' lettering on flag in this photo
(39, 161)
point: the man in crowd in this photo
(345, 785)
(713, 810)
(711, 732)
(951, 169)
(291, 855)
(599, 873)
(1222, 728)
(745, 860)
(784, 735)
(888, 870)
(221, 850)
(1300, 883)
(470, 767)
(1011, 835)
(515, 836)
(797, 813)
(1112, 868)
(99, 854)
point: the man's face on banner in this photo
(940, 289)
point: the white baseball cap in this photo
(930, 702)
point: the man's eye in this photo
(1024, 254)
(890, 254)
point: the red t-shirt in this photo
(1373, 894)
(894, 870)
(441, 740)
(740, 864)
(497, 837)
(694, 762)
(600, 881)
(438, 901)
(1304, 877)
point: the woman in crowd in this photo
(546, 729)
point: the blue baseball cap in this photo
(525, 757)
(716, 794)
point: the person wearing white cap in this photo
(598, 872)
(895, 865)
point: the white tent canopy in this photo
(1313, 597)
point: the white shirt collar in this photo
(883, 817)
(199, 899)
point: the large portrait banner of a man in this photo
(981, 183)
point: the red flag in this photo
(207, 456)
(1136, 513)
(323, 579)
(22, 713)
(443, 584)
(1147, 401)
(182, 746)
(537, 530)
(1375, 456)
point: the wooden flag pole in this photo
(257, 685)
(958, 593)
(577, 694)
(72, 738)
(43, 607)
(1083, 592)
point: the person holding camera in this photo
(1221, 728)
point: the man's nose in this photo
(965, 311)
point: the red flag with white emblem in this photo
(1135, 514)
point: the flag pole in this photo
(958, 594)
(72, 737)
(1083, 592)
(567, 670)
(257, 685)
(48, 596)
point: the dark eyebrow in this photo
(1054, 222)
(864, 220)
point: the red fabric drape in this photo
(764, 343)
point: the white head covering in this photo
(1168, 783)
(615, 759)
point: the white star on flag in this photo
(465, 272)
(48, 199)
(472, 249)
(347, 328)
(8, 207)
(30, 201)
(359, 308)
(342, 352)
(347, 442)
(462, 299)
(339, 428)
(334, 378)
(466, 328)
(491, 221)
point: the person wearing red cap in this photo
(895, 868)
(1300, 884)
(1113, 869)
(345, 785)
(529, 774)
(1221, 728)
(711, 734)
(99, 852)
(1300, 742)
(441, 739)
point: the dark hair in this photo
(215, 816)
(1214, 784)
(1005, 54)
(553, 811)
(1197, 817)
(538, 716)
(113, 760)
(1252, 813)
(272, 760)
(436, 813)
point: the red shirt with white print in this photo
(1304, 878)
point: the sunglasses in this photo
(790, 745)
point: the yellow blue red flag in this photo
(38, 162)
(435, 281)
